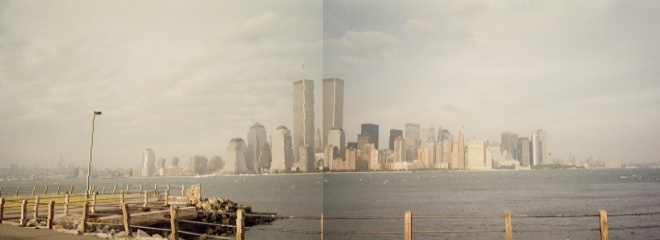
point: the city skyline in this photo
(185, 79)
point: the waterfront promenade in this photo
(10, 232)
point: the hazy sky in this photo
(183, 78)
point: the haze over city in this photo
(184, 79)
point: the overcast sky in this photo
(183, 78)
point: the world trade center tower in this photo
(303, 116)
(333, 106)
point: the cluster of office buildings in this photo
(307, 149)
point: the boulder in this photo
(194, 194)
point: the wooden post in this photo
(322, 226)
(239, 224)
(18, 189)
(23, 213)
(51, 214)
(93, 202)
(127, 219)
(2, 209)
(33, 190)
(167, 197)
(83, 221)
(58, 189)
(0, 191)
(173, 223)
(146, 199)
(507, 225)
(36, 207)
(114, 190)
(603, 225)
(46, 190)
(127, 188)
(183, 190)
(71, 191)
(103, 190)
(140, 188)
(407, 228)
(200, 193)
(66, 205)
(155, 189)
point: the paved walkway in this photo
(10, 232)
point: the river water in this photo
(438, 193)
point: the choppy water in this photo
(434, 193)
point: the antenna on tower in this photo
(303, 70)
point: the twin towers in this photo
(303, 118)
(297, 151)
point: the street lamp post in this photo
(89, 164)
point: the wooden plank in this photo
(85, 216)
(407, 228)
(127, 219)
(173, 223)
(239, 224)
(603, 225)
(51, 215)
(23, 213)
(507, 225)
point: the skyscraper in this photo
(235, 163)
(393, 134)
(523, 151)
(461, 148)
(337, 138)
(534, 150)
(303, 117)
(543, 147)
(282, 152)
(148, 163)
(256, 142)
(333, 105)
(371, 130)
(412, 135)
(509, 140)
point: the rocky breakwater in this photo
(220, 211)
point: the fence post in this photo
(173, 223)
(407, 229)
(322, 226)
(83, 221)
(58, 189)
(127, 188)
(23, 213)
(36, 207)
(239, 224)
(155, 189)
(18, 189)
(103, 190)
(140, 188)
(66, 205)
(167, 197)
(127, 219)
(121, 197)
(71, 191)
(0, 191)
(46, 190)
(2, 209)
(507, 225)
(51, 214)
(114, 190)
(146, 199)
(183, 192)
(93, 202)
(33, 190)
(603, 225)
